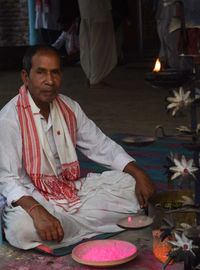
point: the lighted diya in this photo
(135, 222)
(167, 78)
(104, 253)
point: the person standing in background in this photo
(47, 13)
(98, 54)
(169, 53)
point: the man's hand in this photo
(144, 187)
(48, 227)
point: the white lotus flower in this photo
(183, 168)
(185, 200)
(184, 129)
(187, 130)
(182, 242)
(180, 100)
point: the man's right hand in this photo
(48, 227)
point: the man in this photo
(98, 53)
(47, 203)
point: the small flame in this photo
(157, 66)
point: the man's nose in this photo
(49, 78)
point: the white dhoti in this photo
(98, 55)
(105, 198)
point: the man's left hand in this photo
(144, 187)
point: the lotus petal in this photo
(175, 175)
(172, 99)
(184, 161)
(178, 164)
(171, 105)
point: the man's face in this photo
(44, 79)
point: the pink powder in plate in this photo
(129, 220)
(109, 251)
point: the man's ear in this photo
(24, 76)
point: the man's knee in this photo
(19, 229)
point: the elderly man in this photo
(47, 201)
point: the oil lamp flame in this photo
(157, 66)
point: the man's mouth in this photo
(50, 91)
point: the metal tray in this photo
(139, 140)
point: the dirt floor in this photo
(130, 106)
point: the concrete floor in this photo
(131, 105)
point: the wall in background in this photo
(14, 26)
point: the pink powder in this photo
(129, 219)
(115, 250)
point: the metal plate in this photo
(139, 140)
(135, 222)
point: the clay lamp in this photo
(166, 78)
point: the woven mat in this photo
(151, 158)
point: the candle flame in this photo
(157, 66)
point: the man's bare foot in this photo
(100, 85)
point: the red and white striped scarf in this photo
(61, 189)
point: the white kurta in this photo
(98, 55)
(105, 198)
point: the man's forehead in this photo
(45, 58)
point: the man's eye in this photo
(55, 72)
